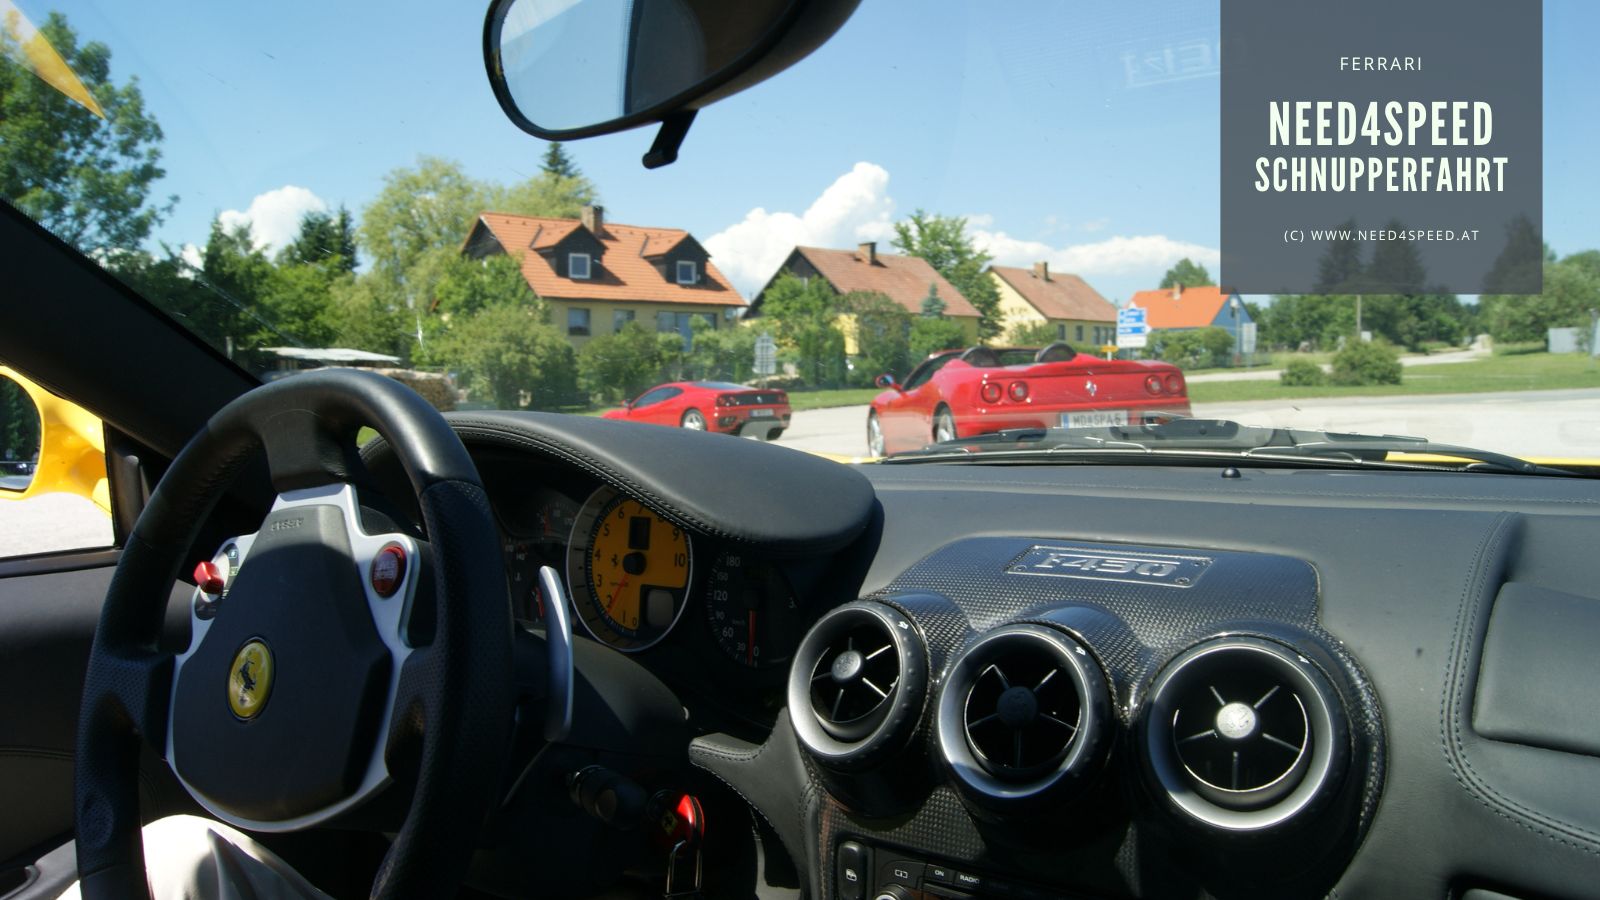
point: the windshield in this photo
(309, 185)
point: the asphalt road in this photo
(1522, 423)
(51, 522)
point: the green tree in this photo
(721, 354)
(86, 178)
(325, 239)
(1519, 262)
(466, 286)
(428, 207)
(1193, 348)
(944, 243)
(545, 194)
(804, 313)
(932, 304)
(1341, 269)
(1396, 267)
(1570, 291)
(1033, 334)
(19, 423)
(558, 163)
(883, 334)
(364, 317)
(509, 355)
(618, 366)
(1188, 273)
(929, 336)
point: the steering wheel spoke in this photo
(332, 632)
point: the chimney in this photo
(1041, 271)
(867, 252)
(593, 218)
(1177, 289)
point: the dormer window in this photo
(578, 265)
(688, 272)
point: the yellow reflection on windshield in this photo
(26, 46)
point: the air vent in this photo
(857, 684)
(853, 680)
(1244, 733)
(1022, 716)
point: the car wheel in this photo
(944, 425)
(694, 421)
(874, 435)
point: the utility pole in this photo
(1358, 317)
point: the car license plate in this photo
(760, 413)
(1094, 418)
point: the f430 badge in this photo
(1170, 570)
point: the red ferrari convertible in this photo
(710, 406)
(960, 393)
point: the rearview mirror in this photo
(565, 69)
(886, 381)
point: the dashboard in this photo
(1091, 681)
(717, 620)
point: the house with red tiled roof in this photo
(903, 279)
(1180, 307)
(597, 276)
(1066, 302)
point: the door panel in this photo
(46, 625)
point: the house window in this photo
(578, 266)
(1079, 333)
(620, 318)
(1061, 332)
(687, 273)
(578, 320)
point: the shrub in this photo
(1194, 348)
(1033, 334)
(1366, 362)
(1518, 348)
(1301, 372)
(929, 336)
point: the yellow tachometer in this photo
(629, 570)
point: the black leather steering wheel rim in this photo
(452, 710)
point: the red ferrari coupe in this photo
(710, 406)
(960, 393)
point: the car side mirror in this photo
(566, 69)
(48, 445)
(887, 381)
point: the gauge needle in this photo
(613, 601)
(750, 644)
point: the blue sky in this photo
(1079, 131)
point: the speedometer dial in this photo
(754, 615)
(629, 570)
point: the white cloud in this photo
(1112, 256)
(274, 217)
(192, 255)
(856, 207)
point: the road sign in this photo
(766, 355)
(1132, 328)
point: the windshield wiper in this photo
(1214, 438)
(1482, 460)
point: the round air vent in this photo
(1022, 717)
(857, 684)
(1244, 733)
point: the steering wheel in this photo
(328, 659)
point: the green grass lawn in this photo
(1276, 360)
(1524, 372)
(799, 400)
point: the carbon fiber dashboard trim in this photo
(1116, 840)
